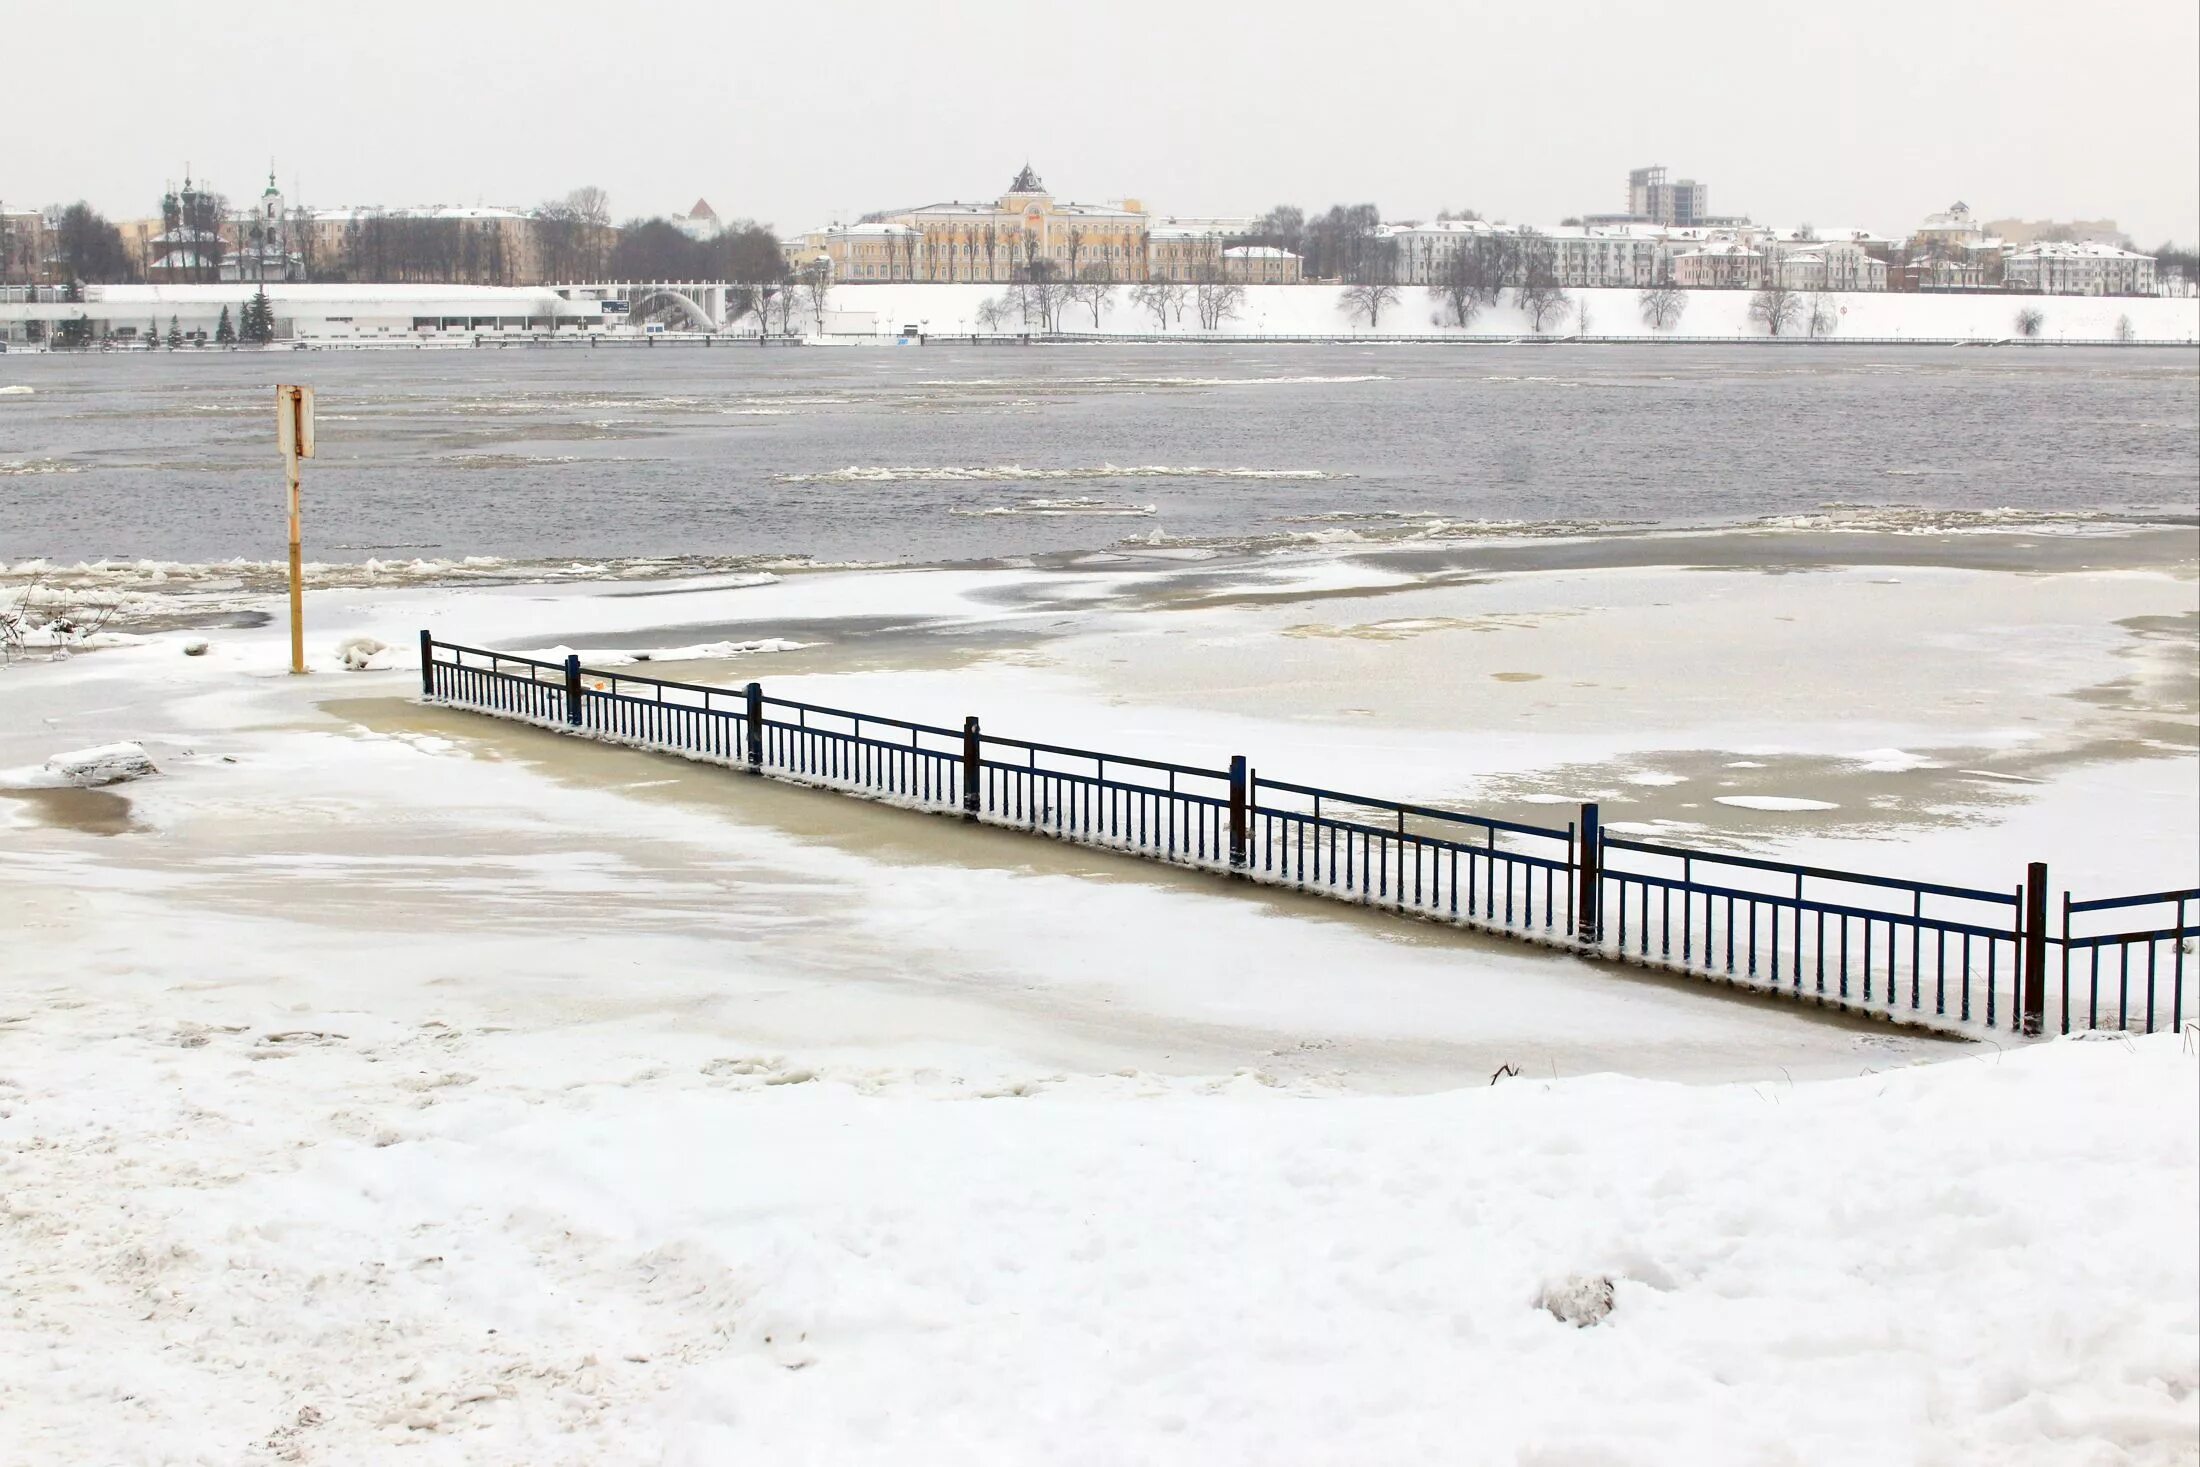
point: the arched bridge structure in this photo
(696, 305)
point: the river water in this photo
(944, 453)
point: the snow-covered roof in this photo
(2062, 250)
(1212, 230)
(1819, 234)
(1257, 252)
(1098, 211)
(487, 296)
(994, 210)
(1441, 226)
(352, 213)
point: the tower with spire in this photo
(266, 255)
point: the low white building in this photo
(1260, 265)
(126, 313)
(2054, 268)
(1724, 264)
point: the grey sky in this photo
(1863, 113)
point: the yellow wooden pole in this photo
(297, 577)
(294, 432)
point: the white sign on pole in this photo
(294, 421)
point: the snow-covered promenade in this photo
(410, 315)
(379, 1081)
(1322, 310)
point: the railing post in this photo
(573, 689)
(1589, 873)
(2032, 998)
(973, 768)
(427, 664)
(753, 717)
(1238, 842)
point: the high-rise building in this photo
(1653, 200)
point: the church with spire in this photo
(263, 249)
(202, 239)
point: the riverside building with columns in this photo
(1026, 229)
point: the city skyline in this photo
(1529, 117)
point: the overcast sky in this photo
(1855, 113)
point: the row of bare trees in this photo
(1781, 311)
(1042, 298)
(1478, 273)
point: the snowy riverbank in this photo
(376, 1078)
(1320, 310)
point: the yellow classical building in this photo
(1008, 238)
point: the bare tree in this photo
(2029, 321)
(1825, 316)
(590, 205)
(1370, 299)
(780, 300)
(1216, 297)
(1457, 287)
(1662, 304)
(1543, 302)
(1159, 298)
(1094, 288)
(817, 290)
(1535, 272)
(573, 235)
(1776, 308)
(2125, 331)
(994, 311)
(1042, 292)
(593, 234)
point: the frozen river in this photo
(946, 453)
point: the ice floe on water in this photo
(1893, 761)
(103, 764)
(1775, 802)
(1018, 473)
(13, 466)
(16, 389)
(698, 652)
(1071, 506)
(1913, 519)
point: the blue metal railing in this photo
(1929, 952)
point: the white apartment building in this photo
(2078, 269)
(1827, 264)
(1423, 252)
(1581, 258)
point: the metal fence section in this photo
(2133, 978)
(1930, 952)
(1863, 941)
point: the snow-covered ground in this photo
(386, 1083)
(1298, 310)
